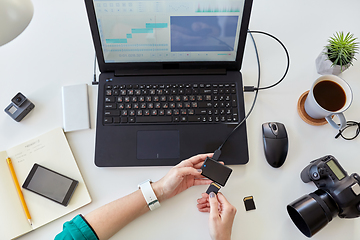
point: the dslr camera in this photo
(337, 194)
(19, 107)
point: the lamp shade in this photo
(15, 16)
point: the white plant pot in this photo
(323, 65)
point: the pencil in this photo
(8, 160)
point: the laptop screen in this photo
(169, 31)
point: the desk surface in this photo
(56, 49)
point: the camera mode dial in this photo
(315, 173)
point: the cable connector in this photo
(94, 82)
(217, 154)
(249, 88)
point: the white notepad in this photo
(50, 150)
(75, 107)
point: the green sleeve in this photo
(77, 229)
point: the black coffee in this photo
(329, 95)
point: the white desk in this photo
(56, 49)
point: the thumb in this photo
(214, 205)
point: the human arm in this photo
(110, 218)
(221, 216)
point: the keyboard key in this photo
(205, 91)
(109, 99)
(205, 104)
(116, 120)
(109, 113)
(233, 100)
(110, 106)
(123, 120)
(108, 120)
(152, 119)
(200, 111)
(194, 118)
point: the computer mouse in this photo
(276, 143)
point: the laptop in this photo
(170, 85)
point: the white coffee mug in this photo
(332, 97)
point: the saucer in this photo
(304, 116)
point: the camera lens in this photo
(18, 99)
(312, 212)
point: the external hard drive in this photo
(75, 107)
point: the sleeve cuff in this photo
(78, 228)
(97, 238)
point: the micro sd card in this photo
(249, 203)
(213, 188)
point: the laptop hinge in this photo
(163, 72)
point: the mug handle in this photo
(335, 125)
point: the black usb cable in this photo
(256, 89)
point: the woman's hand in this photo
(222, 215)
(184, 175)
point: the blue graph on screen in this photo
(148, 28)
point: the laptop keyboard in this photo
(170, 103)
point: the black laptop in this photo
(170, 85)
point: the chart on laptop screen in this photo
(169, 31)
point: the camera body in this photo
(328, 175)
(337, 194)
(19, 107)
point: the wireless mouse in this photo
(276, 143)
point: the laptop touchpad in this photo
(158, 144)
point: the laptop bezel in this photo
(111, 67)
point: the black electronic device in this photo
(276, 143)
(213, 187)
(50, 184)
(215, 171)
(338, 193)
(19, 107)
(249, 203)
(167, 96)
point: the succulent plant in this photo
(341, 49)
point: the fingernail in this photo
(212, 195)
(199, 170)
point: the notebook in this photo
(50, 150)
(170, 85)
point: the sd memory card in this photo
(249, 203)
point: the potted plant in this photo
(338, 55)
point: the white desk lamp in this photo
(15, 16)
